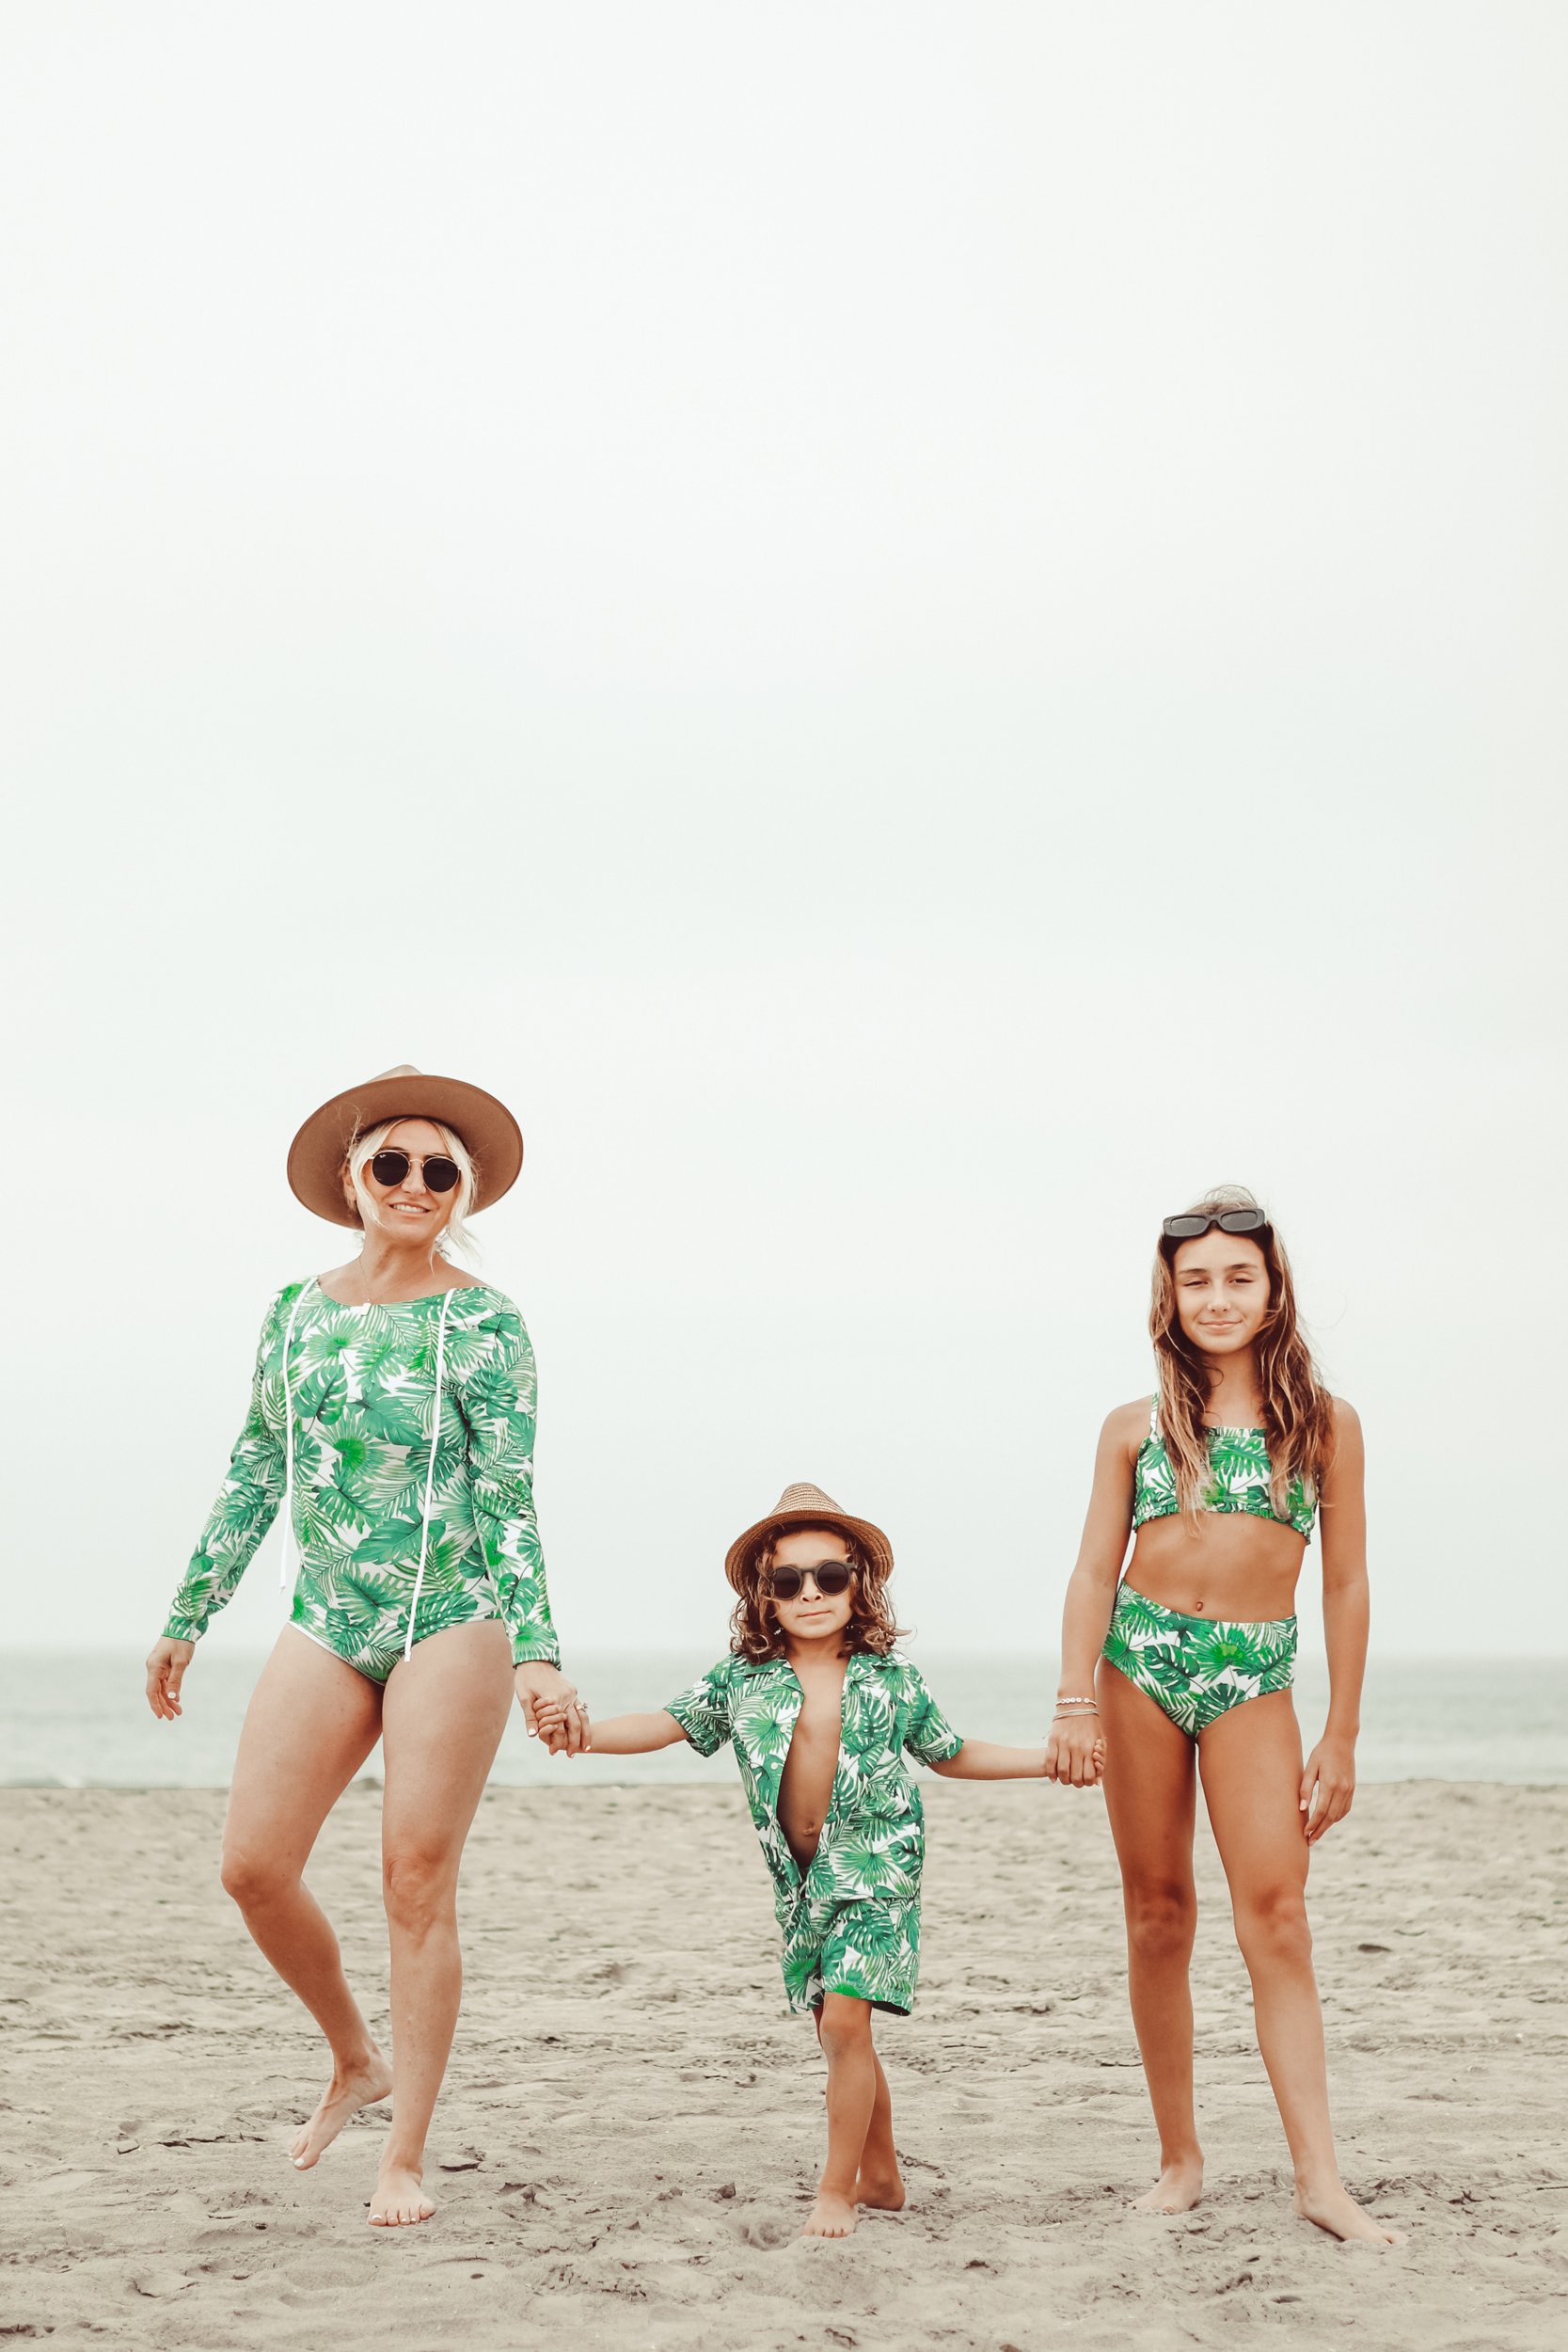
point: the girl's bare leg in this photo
(1251, 1766)
(310, 1723)
(843, 2029)
(1151, 1796)
(442, 1718)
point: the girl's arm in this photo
(1328, 1781)
(1075, 1746)
(631, 1735)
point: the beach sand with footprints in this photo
(629, 2131)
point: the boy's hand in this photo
(556, 1717)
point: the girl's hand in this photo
(165, 1670)
(1075, 1751)
(539, 1687)
(1328, 1786)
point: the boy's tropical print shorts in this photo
(1194, 1668)
(868, 1947)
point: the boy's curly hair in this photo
(754, 1630)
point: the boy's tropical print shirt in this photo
(873, 1838)
(363, 1381)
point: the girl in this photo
(391, 1415)
(1188, 1663)
(820, 1712)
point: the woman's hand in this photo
(1328, 1786)
(165, 1670)
(1075, 1750)
(551, 1708)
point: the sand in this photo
(631, 2122)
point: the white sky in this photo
(918, 629)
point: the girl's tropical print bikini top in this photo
(1238, 1479)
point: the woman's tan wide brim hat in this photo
(490, 1134)
(807, 1506)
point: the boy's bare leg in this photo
(843, 2029)
(880, 2182)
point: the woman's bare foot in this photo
(351, 2089)
(881, 2186)
(1176, 2190)
(1335, 2210)
(832, 2216)
(399, 2198)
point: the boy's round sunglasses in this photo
(1229, 1221)
(831, 1579)
(390, 1168)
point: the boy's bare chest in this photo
(806, 1786)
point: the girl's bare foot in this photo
(881, 2186)
(832, 2216)
(351, 2089)
(1334, 2209)
(1178, 2188)
(399, 2198)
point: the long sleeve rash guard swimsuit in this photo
(399, 1537)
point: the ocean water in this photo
(81, 1721)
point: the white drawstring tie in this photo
(429, 1469)
(289, 1443)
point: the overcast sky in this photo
(917, 630)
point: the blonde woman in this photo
(1184, 1667)
(391, 1416)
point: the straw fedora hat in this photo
(807, 1506)
(490, 1134)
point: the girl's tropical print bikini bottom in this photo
(1194, 1668)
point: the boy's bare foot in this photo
(399, 2198)
(351, 2089)
(1335, 2210)
(832, 2216)
(1176, 2190)
(881, 2186)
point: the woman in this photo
(1219, 1478)
(392, 1413)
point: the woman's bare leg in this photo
(1251, 1766)
(310, 1723)
(442, 1718)
(1151, 1796)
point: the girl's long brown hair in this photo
(754, 1629)
(1298, 1411)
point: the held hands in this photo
(1328, 1786)
(552, 1708)
(1075, 1751)
(165, 1670)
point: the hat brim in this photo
(873, 1543)
(490, 1136)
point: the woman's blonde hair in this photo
(454, 1236)
(754, 1630)
(1298, 1411)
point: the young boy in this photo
(820, 1713)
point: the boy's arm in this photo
(983, 1759)
(634, 1735)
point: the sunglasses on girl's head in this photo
(390, 1168)
(832, 1578)
(1229, 1221)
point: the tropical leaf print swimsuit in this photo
(1195, 1669)
(851, 1919)
(403, 1436)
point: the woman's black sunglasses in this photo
(1229, 1221)
(832, 1578)
(390, 1168)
